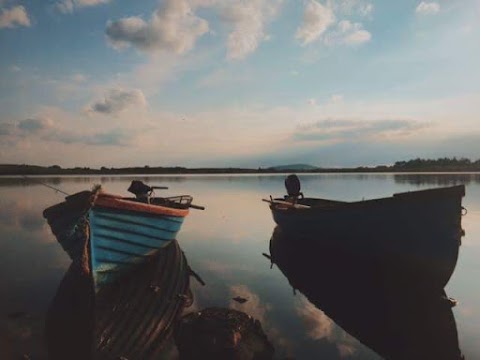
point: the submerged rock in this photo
(220, 333)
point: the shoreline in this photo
(246, 173)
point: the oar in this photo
(286, 203)
(198, 207)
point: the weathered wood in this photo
(286, 203)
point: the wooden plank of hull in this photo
(119, 240)
(422, 231)
(67, 222)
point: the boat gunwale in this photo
(409, 196)
(113, 202)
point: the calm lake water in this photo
(224, 245)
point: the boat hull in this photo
(122, 239)
(420, 231)
(109, 235)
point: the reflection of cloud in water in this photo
(258, 310)
(345, 350)
(320, 326)
(22, 214)
(471, 225)
(217, 266)
(245, 221)
(225, 269)
(281, 343)
(253, 306)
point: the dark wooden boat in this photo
(421, 229)
(131, 319)
(374, 304)
(111, 234)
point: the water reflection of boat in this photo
(110, 234)
(420, 229)
(131, 320)
(363, 297)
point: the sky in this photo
(250, 83)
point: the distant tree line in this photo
(414, 165)
(441, 164)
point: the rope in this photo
(49, 186)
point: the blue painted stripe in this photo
(134, 231)
(106, 265)
(112, 256)
(123, 221)
(113, 239)
(143, 217)
(124, 247)
(131, 252)
(137, 239)
(120, 240)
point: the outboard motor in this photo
(143, 191)
(292, 184)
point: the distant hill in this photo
(294, 167)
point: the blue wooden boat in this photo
(420, 228)
(109, 234)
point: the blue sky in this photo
(238, 82)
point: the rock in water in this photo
(219, 333)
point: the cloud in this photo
(117, 100)
(65, 6)
(248, 19)
(335, 99)
(224, 77)
(366, 9)
(348, 33)
(45, 129)
(113, 137)
(427, 8)
(353, 130)
(6, 129)
(16, 16)
(352, 7)
(35, 125)
(85, 3)
(332, 100)
(25, 127)
(69, 6)
(173, 27)
(79, 78)
(316, 20)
